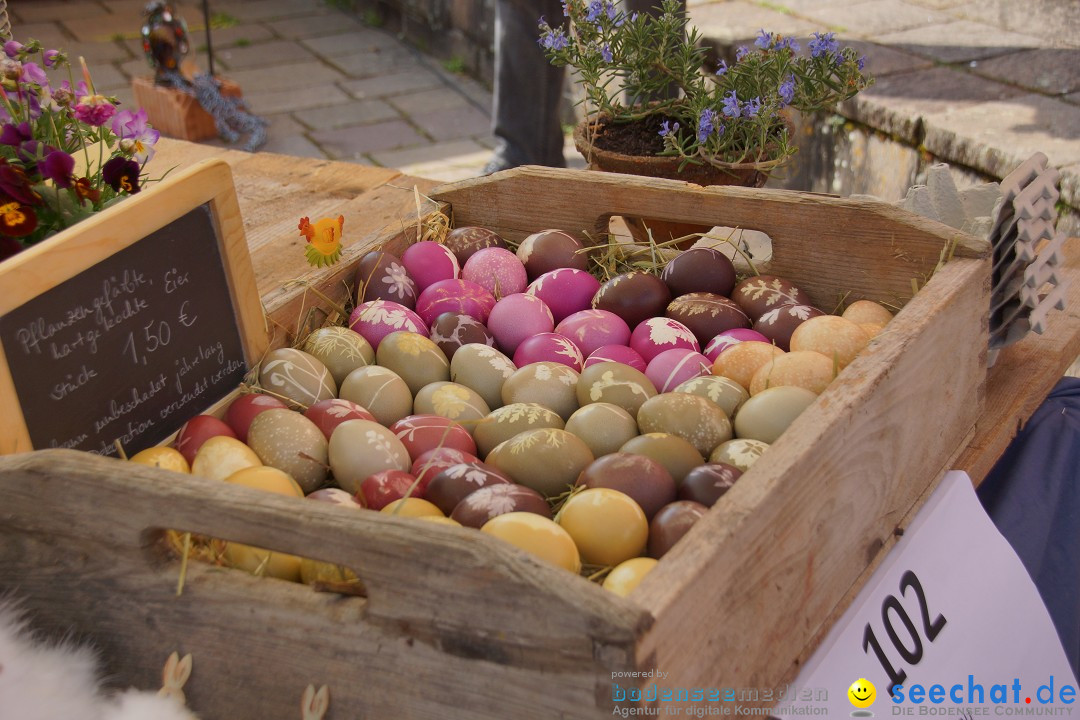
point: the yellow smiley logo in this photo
(862, 693)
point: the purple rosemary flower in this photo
(605, 52)
(787, 90)
(722, 69)
(705, 124)
(741, 52)
(764, 39)
(823, 44)
(731, 105)
(752, 107)
(668, 128)
(790, 43)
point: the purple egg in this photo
(656, 335)
(518, 317)
(460, 296)
(381, 275)
(548, 347)
(671, 368)
(429, 262)
(591, 330)
(452, 330)
(566, 291)
(497, 270)
(550, 249)
(376, 319)
(726, 339)
(617, 354)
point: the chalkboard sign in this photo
(148, 334)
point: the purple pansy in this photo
(135, 133)
(58, 166)
(121, 174)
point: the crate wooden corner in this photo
(176, 114)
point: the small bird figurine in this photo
(324, 240)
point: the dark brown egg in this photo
(707, 314)
(707, 484)
(670, 524)
(634, 296)
(759, 294)
(453, 484)
(550, 250)
(481, 505)
(382, 276)
(779, 323)
(699, 270)
(642, 478)
(452, 330)
(464, 241)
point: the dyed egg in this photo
(699, 270)
(730, 338)
(480, 506)
(671, 368)
(607, 526)
(510, 420)
(762, 293)
(804, 368)
(433, 462)
(548, 461)
(359, 448)
(197, 431)
(221, 456)
(415, 358)
(780, 323)
(382, 276)
(483, 370)
(166, 458)
(708, 483)
(677, 456)
(328, 414)
(591, 330)
(621, 354)
(863, 312)
(297, 376)
(384, 487)
(548, 347)
(335, 496)
(634, 296)
(627, 575)
(550, 384)
(671, 524)
(549, 250)
(656, 335)
(380, 391)
(565, 291)
(452, 330)
(453, 484)
(725, 392)
(288, 441)
(743, 360)
(315, 572)
(376, 319)
(460, 296)
(872, 330)
(453, 402)
(614, 383)
(413, 507)
(245, 408)
(538, 536)
(639, 476)
(420, 433)
(740, 452)
(497, 270)
(465, 241)
(603, 427)
(707, 315)
(832, 336)
(264, 563)
(516, 318)
(428, 263)
(340, 349)
(768, 414)
(698, 421)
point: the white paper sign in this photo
(953, 617)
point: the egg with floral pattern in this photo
(591, 330)
(548, 347)
(359, 448)
(779, 324)
(699, 421)
(454, 295)
(381, 275)
(340, 349)
(622, 354)
(509, 420)
(633, 296)
(518, 317)
(761, 293)
(729, 338)
(674, 367)
(464, 242)
(614, 383)
(482, 369)
(328, 414)
(497, 270)
(429, 262)
(550, 384)
(565, 291)
(452, 330)
(452, 401)
(293, 374)
(420, 433)
(548, 461)
(376, 319)
(707, 315)
(498, 499)
(456, 482)
(380, 391)
(656, 335)
(415, 358)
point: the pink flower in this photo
(136, 136)
(94, 110)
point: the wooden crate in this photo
(457, 625)
(177, 114)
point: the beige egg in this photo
(677, 456)
(614, 383)
(221, 456)
(359, 448)
(415, 358)
(740, 362)
(832, 336)
(340, 349)
(453, 401)
(699, 421)
(504, 423)
(768, 414)
(740, 452)
(603, 427)
(548, 461)
(872, 329)
(867, 311)
(381, 391)
(550, 384)
(288, 441)
(483, 369)
(802, 368)
(295, 375)
(723, 391)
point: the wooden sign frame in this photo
(56, 260)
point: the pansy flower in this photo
(16, 219)
(121, 174)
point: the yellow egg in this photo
(627, 575)
(316, 571)
(802, 368)
(607, 526)
(268, 479)
(440, 520)
(413, 507)
(221, 456)
(872, 329)
(741, 361)
(832, 336)
(166, 458)
(259, 561)
(537, 535)
(867, 311)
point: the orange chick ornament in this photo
(324, 240)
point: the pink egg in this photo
(434, 461)
(460, 296)
(619, 354)
(671, 368)
(420, 433)
(566, 291)
(497, 270)
(656, 335)
(728, 338)
(548, 347)
(329, 413)
(376, 319)
(429, 262)
(517, 317)
(242, 411)
(591, 330)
